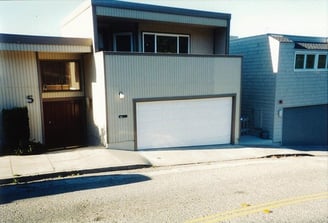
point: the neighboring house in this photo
(128, 76)
(285, 87)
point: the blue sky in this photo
(249, 17)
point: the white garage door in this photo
(177, 123)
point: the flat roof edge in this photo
(49, 40)
(160, 9)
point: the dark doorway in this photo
(64, 122)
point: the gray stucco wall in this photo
(148, 76)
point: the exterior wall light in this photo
(121, 95)
(280, 113)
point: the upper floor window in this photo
(59, 75)
(165, 43)
(311, 61)
(123, 42)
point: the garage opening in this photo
(180, 123)
(305, 125)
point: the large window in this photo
(165, 43)
(311, 61)
(60, 75)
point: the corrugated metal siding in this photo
(147, 76)
(19, 78)
(164, 17)
(45, 48)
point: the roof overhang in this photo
(15, 42)
(303, 42)
(128, 10)
(311, 46)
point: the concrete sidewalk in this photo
(99, 159)
(67, 162)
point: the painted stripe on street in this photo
(265, 208)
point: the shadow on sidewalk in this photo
(16, 192)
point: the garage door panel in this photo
(305, 125)
(183, 122)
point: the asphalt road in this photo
(293, 189)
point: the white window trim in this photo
(164, 34)
(122, 34)
(316, 60)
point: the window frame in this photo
(307, 54)
(79, 65)
(156, 34)
(323, 54)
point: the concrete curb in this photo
(26, 179)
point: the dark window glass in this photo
(123, 43)
(322, 61)
(299, 61)
(60, 75)
(310, 61)
(149, 43)
(183, 44)
(166, 44)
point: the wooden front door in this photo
(64, 123)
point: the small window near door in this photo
(60, 75)
(123, 42)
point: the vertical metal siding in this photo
(148, 76)
(19, 78)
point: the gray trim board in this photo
(171, 54)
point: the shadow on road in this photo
(16, 192)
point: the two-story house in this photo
(128, 76)
(285, 87)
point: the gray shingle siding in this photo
(270, 92)
(258, 81)
(297, 88)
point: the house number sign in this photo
(29, 99)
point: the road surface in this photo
(288, 189)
